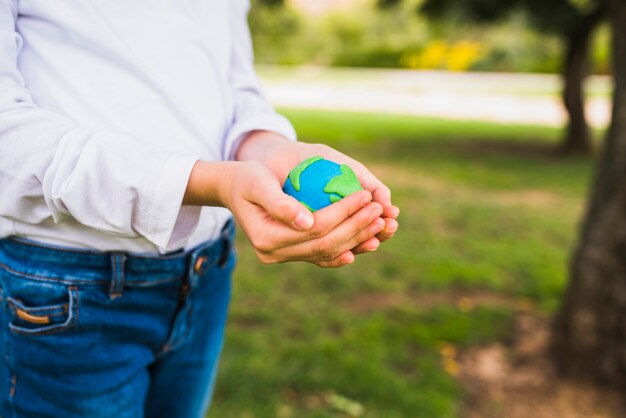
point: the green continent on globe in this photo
(342, 185)
(307, 206)
(294, 175)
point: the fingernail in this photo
(304, 220)
(395, 211)
(373, 248)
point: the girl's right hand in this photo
(281, 229)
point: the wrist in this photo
(260, 146)
(210, 184)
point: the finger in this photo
(368, 246)
(280, 206)
(330, 217)
(324, 221)
(367, 236)
(393, 212)
(344, 259)
(380, 192)
(359, 228)
(391, 226)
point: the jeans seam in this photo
(69, 282)
(170, 346)
(50, 279)
(50, 247)
(13, 384)
(149, 283)
(8, 358)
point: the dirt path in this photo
(495, 97)
(513, 380)
(518, 381)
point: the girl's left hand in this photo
(281, 155)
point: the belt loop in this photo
(198, 265)
(118, 261)
(227, 243)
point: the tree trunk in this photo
(590, 330)
(578, 136)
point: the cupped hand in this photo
(281, 156)
(280, 229)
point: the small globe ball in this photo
(317, 183)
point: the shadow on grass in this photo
(529, 149)
(482, 163)
(473, 147)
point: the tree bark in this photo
(590, 330)
(577, 138)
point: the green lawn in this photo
(488, 220)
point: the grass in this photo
(489, 219)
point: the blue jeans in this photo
(115, 335)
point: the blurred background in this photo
(482, 117)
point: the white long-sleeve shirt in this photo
(105, 106)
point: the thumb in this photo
(282, 207)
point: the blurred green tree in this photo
(590, 330)
(270, 2)
(573, 20)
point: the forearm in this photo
(208, 180)
(207, 183)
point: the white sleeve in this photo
(52, 166)
(252, 110)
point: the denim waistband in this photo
(75, 266)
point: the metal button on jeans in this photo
(201, 264)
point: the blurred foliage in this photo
(561, 17)
(277, 32)
(472, 10)
(396, 36)
(272, 3)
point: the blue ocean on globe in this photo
(313, 180)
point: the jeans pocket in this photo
(26, 319)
